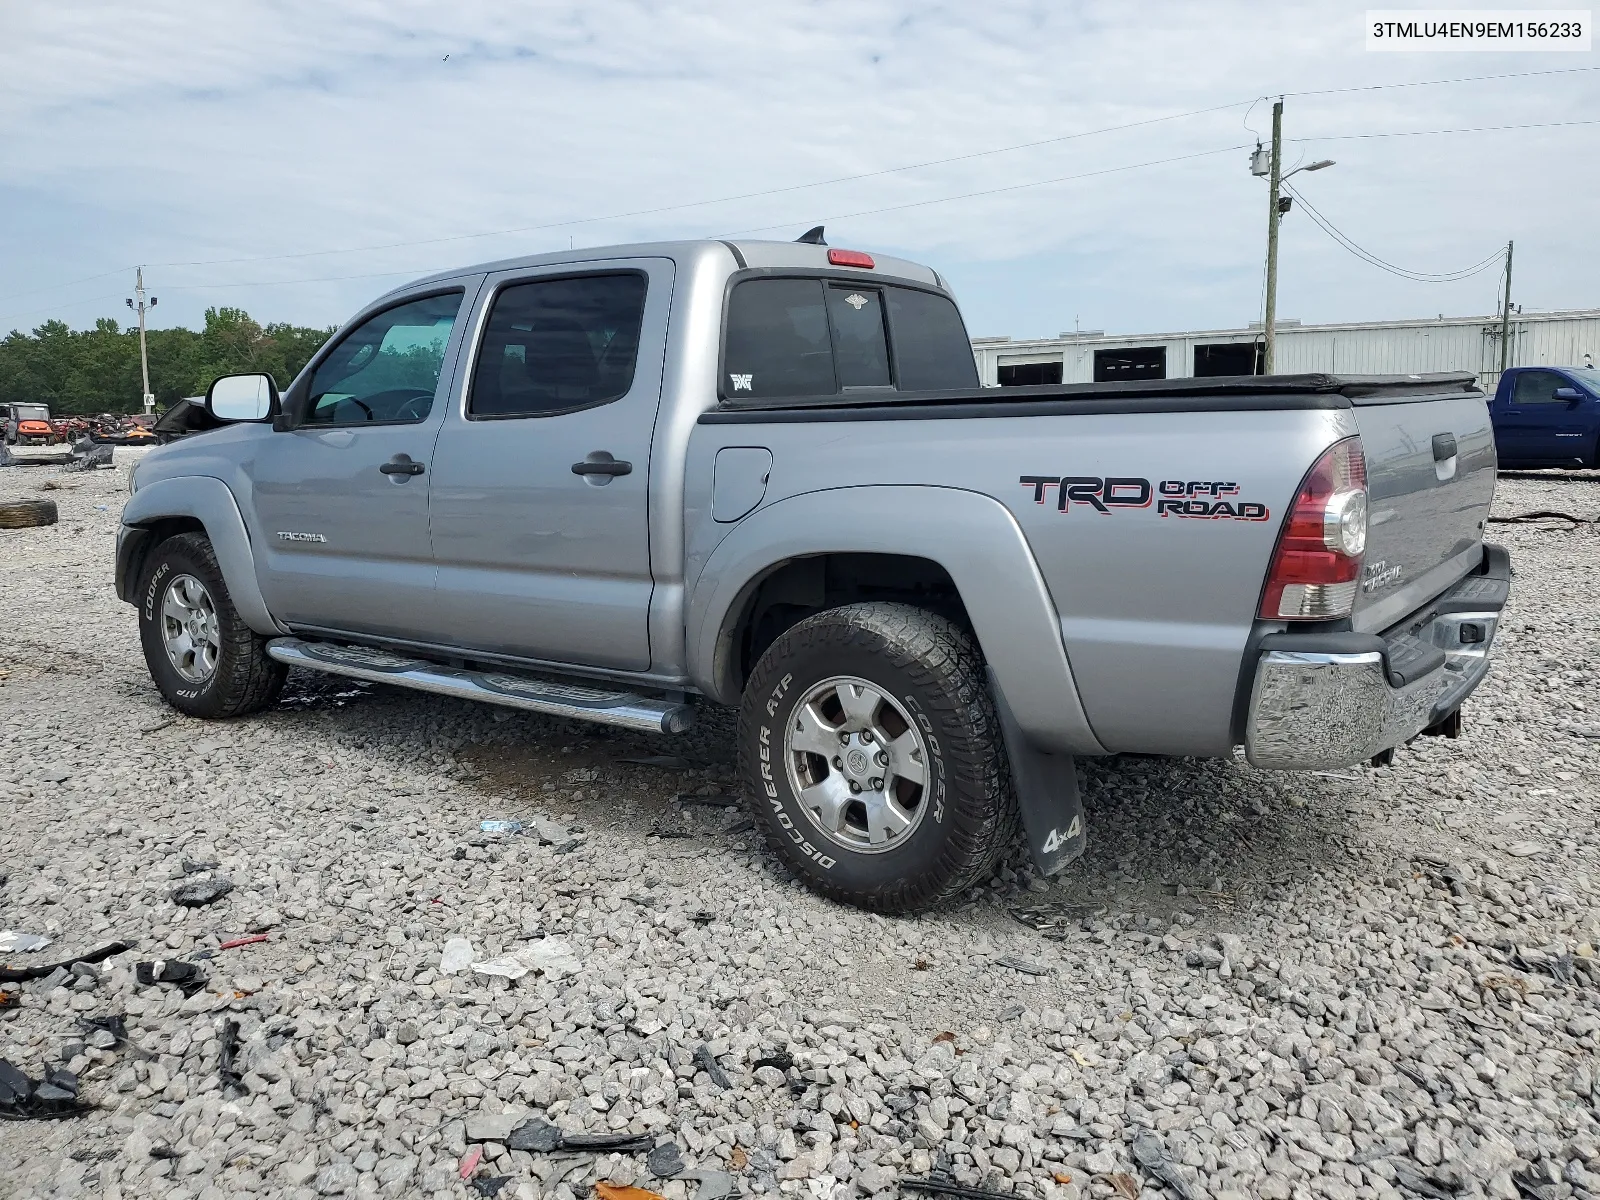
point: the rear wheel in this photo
(204, 658)
(869, 745)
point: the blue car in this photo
(1547, 417)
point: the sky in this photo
(1064, 164)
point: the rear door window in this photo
(931, 347)
(558, 345)
(860, 343)
(777, 341)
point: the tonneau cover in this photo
(1358, 389)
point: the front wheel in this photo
(869, 746)
(204, 658)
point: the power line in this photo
(845, 178)
(777, 191)
(1349, 137)
(1367, 256)
(1015, 187)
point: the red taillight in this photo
(1318, 559)
(850, 258)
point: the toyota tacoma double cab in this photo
(620, 484)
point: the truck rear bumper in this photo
(1328, 700)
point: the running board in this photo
(557, 699)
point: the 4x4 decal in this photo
(1205, 499)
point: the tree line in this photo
(97, 370)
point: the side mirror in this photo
(1570, 394)
(236, 398)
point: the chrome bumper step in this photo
(556, 698)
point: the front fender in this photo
(970, 535)
(208, 501)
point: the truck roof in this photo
(735, 253)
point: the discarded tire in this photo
(25, 514)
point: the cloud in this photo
(257, 131)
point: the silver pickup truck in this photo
(617, 484)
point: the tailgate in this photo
(1430, 479)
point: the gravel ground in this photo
(1364, 983)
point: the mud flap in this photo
(1047, 793)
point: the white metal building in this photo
(1569, 338)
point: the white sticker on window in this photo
(741, 383)
(856, 301)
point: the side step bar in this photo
(554, 698)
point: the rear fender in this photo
(210, 502)
(973, 537)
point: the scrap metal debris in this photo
(111, 1030)
(1024, 966)
(202, 891)
(704, 1060)
(233, 1085)
(943, 1185)
(49, 1099)
(23, 974)
(21, 943)
(1055, 921)
(1150, 1152)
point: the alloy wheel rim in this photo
(189, 629)
(858, 764)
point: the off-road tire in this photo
(27, 514)
(245, 679)
(931, 668)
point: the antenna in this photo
(812, 237)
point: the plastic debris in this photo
(23, 974)
(500, 827)
(613, 1191)
(1150, 1152)
(248, 940)
(938, 1185)
(541, 1137)
(9, 1000)
(549, 833)
(490, 1185)
(170, 970)
(49, 1099)
(703, 916)
(190, 867)
(470, 1161)
(22, 943)
(457, 956)
(552, 957)
(233, 1084)
(536, 1135)
(665, 1161)
(111, 1030)
(704, 1060)
(1126, 1185)
(782, 1060)
(202, 891)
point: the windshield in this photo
(1589, 377)
(32, 412)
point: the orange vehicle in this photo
(28, 424)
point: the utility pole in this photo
(1269, 319)
(144, 357)
(1505, 315)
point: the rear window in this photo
(818, 337)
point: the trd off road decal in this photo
(1205, 499)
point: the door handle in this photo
(1444, 446)
(401, 464)
(600, 462)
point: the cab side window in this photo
(385, 370)
(1537, 387)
